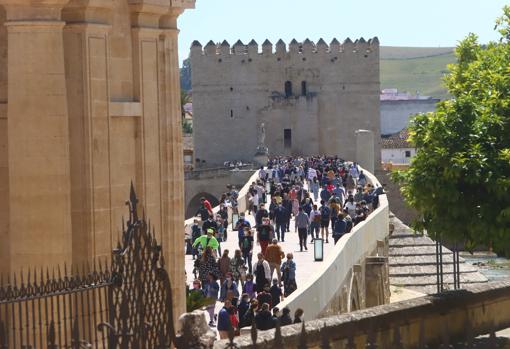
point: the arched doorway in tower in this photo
(194, 203)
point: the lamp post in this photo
(318, 250)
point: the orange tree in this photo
(459, 181)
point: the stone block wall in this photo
(89, 101)
(334, 92)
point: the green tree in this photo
(185, 74)
(459, 181)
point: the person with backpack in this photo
(241, 224)
(340, 227)
(335, 209)
(302, 224)
(280, 218)
(206, 241)
(315, 222)
(325, 216)
(262, 273)
(325, 194)
(246, 245)
(288, 269)
(265, 233)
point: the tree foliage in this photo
(185, 75)
(459, 181)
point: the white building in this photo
(396, 149)
(398, 107)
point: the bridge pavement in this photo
(305, 262)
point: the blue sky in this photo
(396, 22)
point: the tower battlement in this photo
(294, 47)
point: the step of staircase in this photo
(412, 262)
(415, 250)
(428, 270)
(429, 280)
(402, 260)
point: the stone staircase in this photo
(412, 262)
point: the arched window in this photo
(303, 88)
(288, 88)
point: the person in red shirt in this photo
(207, 205)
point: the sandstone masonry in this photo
(89, 101)
(312, 97)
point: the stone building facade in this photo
(89, 101)
(312, 97)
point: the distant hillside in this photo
(416, 69)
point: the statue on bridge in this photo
(262, 153)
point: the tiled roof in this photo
(396, 141)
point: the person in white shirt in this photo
(350, 206)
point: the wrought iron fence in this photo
(54, 309)
(125, 303)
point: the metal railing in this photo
(126, 303)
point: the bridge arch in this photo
(194, 203)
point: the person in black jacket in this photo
(287, 204)
(285, 319)
(280, 217)
(264, 318)
(260, 214)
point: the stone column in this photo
(365, 149)
(87, 71)
(156, 86)
(174, 198)
(38, 144)
(376, 281)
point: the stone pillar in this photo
(376, 281)
(86, 53)
(157, 87)
(38, 144)
(174, 198)
(365, 150)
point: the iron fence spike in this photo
(278, 339)
(397, 339)
(303, 337)
(325, 343)
(254, 333)
(3, 335)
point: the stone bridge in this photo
(353, 274)
(211, 183)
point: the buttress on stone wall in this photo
(335, 91)
(89, 101)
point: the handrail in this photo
(319, 290)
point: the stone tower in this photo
(312, 97)
(89, 101)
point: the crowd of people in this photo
(321, 193)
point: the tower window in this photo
(303, 88)
(231, 113)
(288, 89)
(287, 138)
